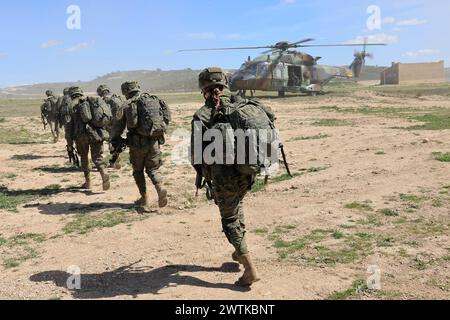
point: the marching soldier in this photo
(116, 105)
(229, 185)
(146, 117)
(49, 114)
(90, 117)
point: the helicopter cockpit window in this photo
(251, 69)
(263, 70)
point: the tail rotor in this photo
(360, 60)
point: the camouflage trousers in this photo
(230, 188)
(146, 156)
(54, 127)
(84, 145)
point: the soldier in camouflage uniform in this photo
(87, 138)
(65, 117)
(49, 114)
(116, 105)
(145, 151)
(228, 184)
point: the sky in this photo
(41, 41)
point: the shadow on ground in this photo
(44, 192)
(25, 157)
(77, 208)
(131, 281)
(58, 169)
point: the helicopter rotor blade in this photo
(222, 49)
(342, 45)
(302, 41)
(273, 50)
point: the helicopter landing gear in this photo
(281, 94)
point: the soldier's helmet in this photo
(212, 77)
(75, 92)
(49, 93)
(130, 87)
(66, 91)
(102, 88)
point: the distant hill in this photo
(150, 80)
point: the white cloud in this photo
(411, 22)
(422, 52)
(375, 38)
(81, 46)
(50, 43)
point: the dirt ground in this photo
(370, 199)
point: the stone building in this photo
(404, 73)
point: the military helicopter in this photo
(285, 70)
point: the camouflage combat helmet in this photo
(66, 91)
(130, 87)
(49, 93)
(102, 88)
(212, 77)
(75, 92)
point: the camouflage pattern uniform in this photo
(65, 112)
(85, 140)
(145, 154)
(51, 117)
(229, 185)
(116, 105)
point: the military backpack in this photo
(96, 112)
(148, 115)
(49, 107)
(257, 122)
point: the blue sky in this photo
(37, 46)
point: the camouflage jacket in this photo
(116, 104)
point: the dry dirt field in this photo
(370, 197)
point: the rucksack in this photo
(116, 105)
(149, 116)
(65, 110)
(46, 108)
(101, 115)
(250, 115)
(49, 107)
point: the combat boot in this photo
(250, 275)
(144, 203)
(162, 195)
(115, 165)
(106, 180)
(87, 183)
